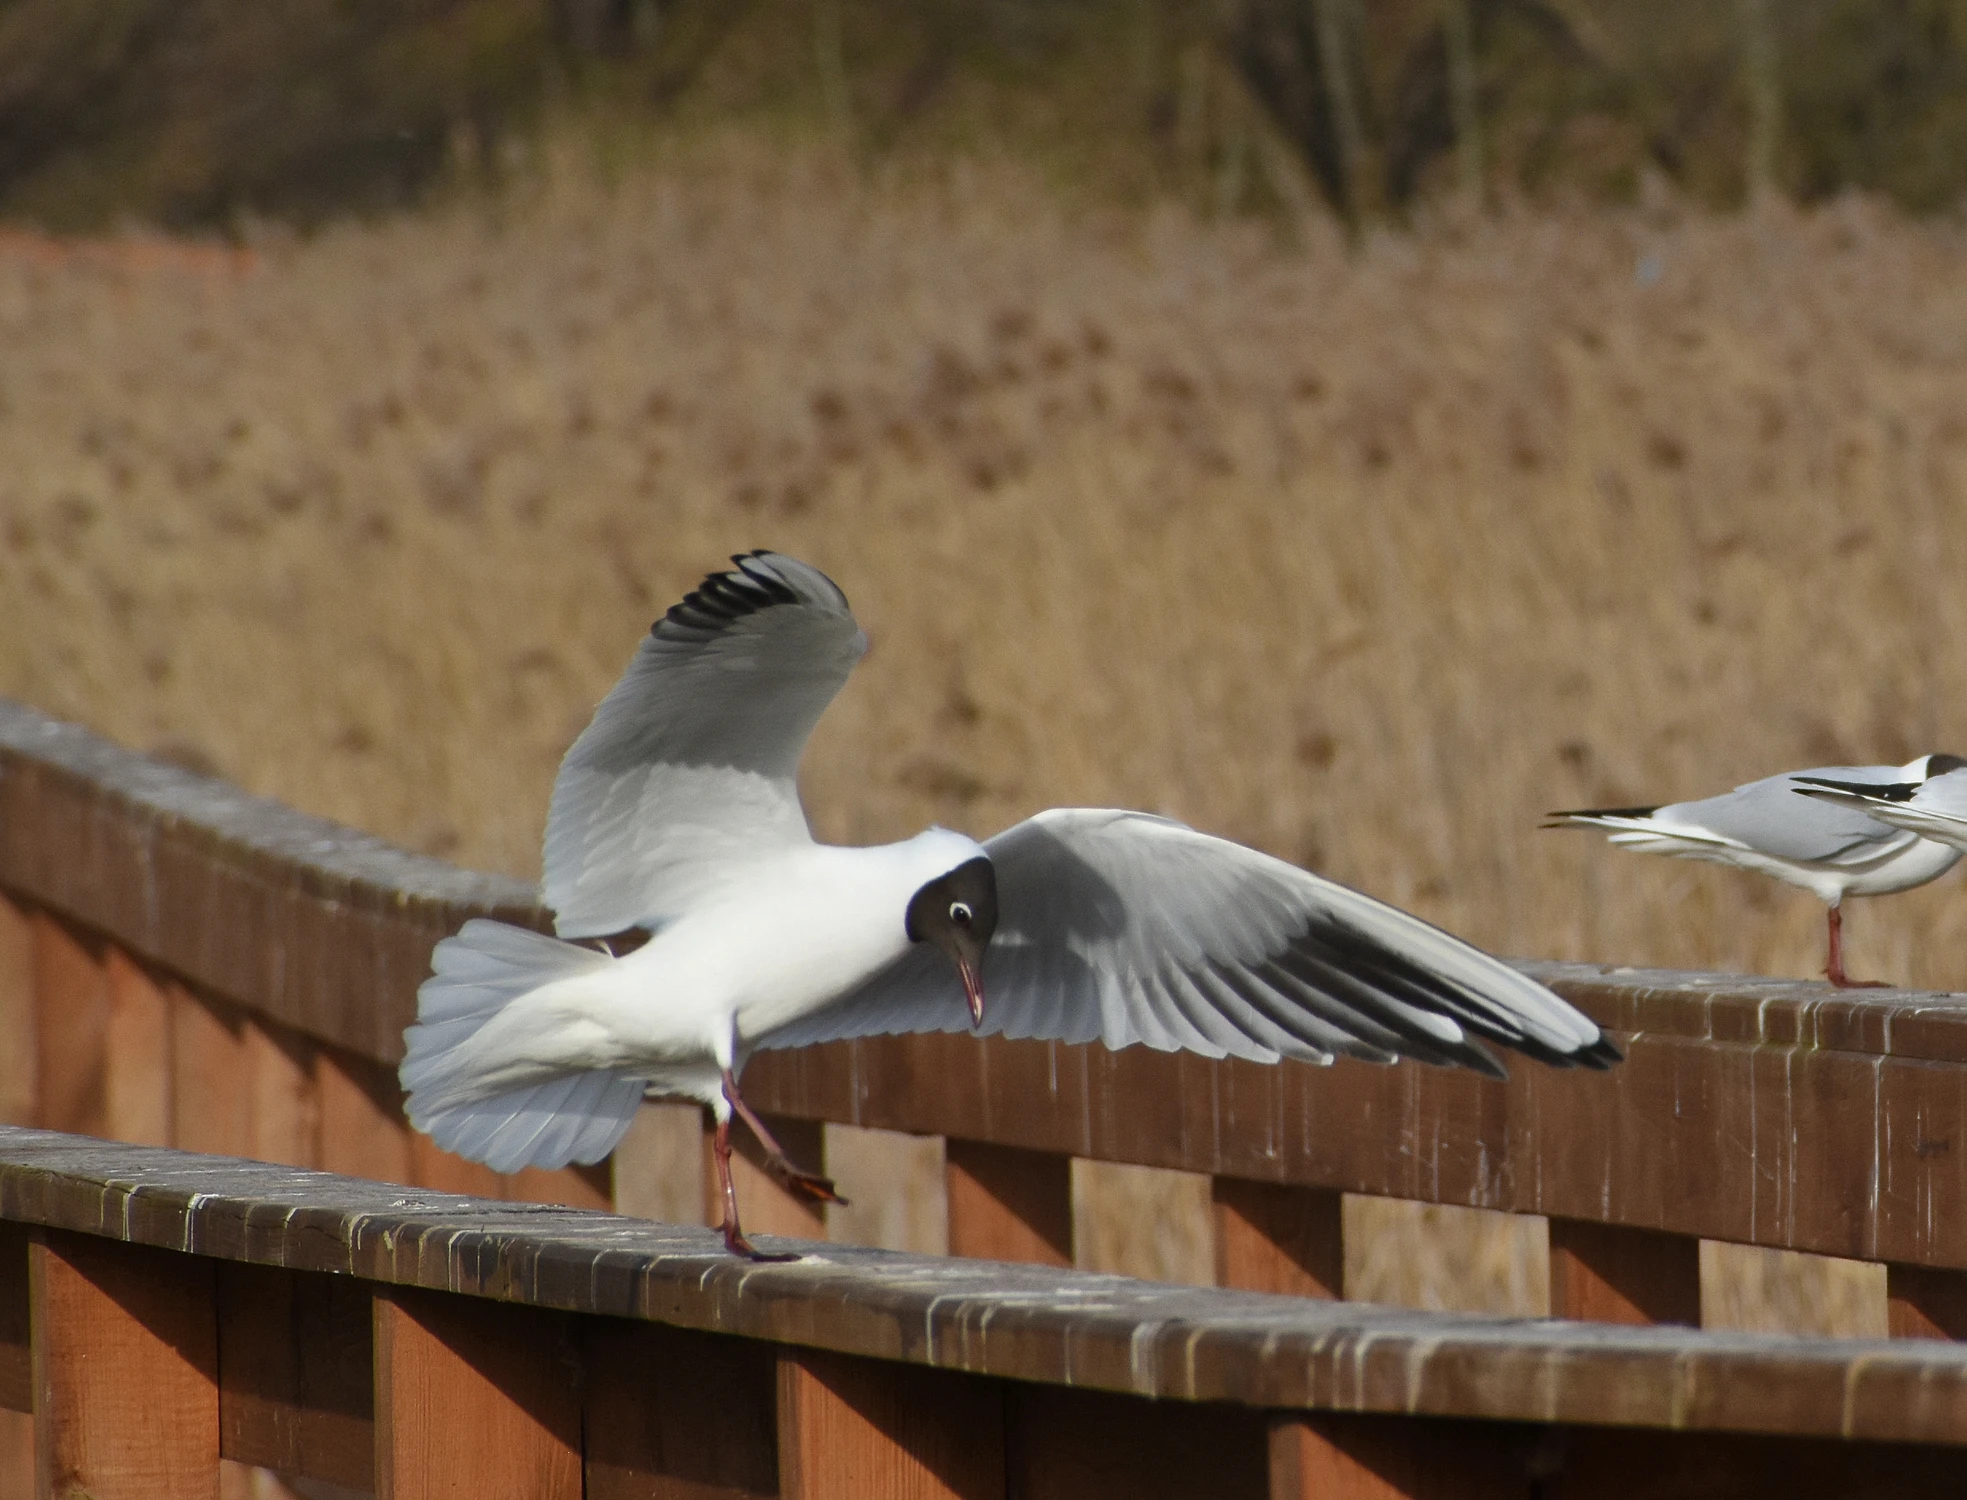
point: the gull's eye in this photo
(960, 913)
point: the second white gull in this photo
(1831, 851)
(677, 812)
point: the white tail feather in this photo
(568, 1117)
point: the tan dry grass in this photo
(1367, 557)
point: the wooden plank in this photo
(677, 1415)
(861, 1429)
(1273, 1238)
(474, 1400)
(16, 1455)
(71, 1029)
(763, 1206)
(1008, 1204)
(16, 1343)
(571, 1187)
(659, 1166)
(1616, 1465)
(137, 1054)
(283, 1103)
(1922, 1303)
(363, 1132)
(210, 1083)
(1089, 1445)
(126, 1403)
(18, 1097)
(434, 1168)
(1603, 1273)
(1360, 1457)
(296, 1379)
(1345, 1457)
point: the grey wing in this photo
(1769, 817)
(1124, 928)
(689, 768)
(1936, 809)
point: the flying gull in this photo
(677, 812)
(1832, 851)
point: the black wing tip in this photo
(723, 598)
(1600, 812)
(1600, 1055)
(1894, 791)
(1941, 764)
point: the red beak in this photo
(972, 988)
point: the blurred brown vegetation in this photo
(208, 113)
(1366, 555)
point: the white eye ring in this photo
(960, 913)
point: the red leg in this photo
(1834, 971)
(734, 1239)
(796, 1180)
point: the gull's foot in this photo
(737, 1244)
(1843, 982)
(801, 1183)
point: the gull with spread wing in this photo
(1831, 851)
(677, 812)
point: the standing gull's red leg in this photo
(1834, 970)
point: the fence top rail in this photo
(1017, 1322)
(316, 925)
(329, 930)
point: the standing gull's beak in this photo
(972, 988)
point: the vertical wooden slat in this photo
(764, 1206)
(18, 1060)
(1607, 1273)
(1274, 1238)
(673, 1414)
(296, 1373)
(434, 1168)
(363, 1132)
(137, 1054)
(210, 1086)
(475, 1400)
(71, 1009)
(16, 1368)
(1090, 1445)
(16, 1455)
(283, 1109)
(16, 1343)
(1924, 1303)
(659, 1166)
(1345, 1457)
(126, 1403)
(1009, 1204)
(859, 1429)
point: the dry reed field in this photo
(1367, 555)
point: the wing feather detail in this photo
(1935, 809)
(689, 768)
(1131, 929)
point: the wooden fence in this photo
(202, 969)
(161, 1312)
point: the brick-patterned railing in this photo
(162, 1312)
(205, 969)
